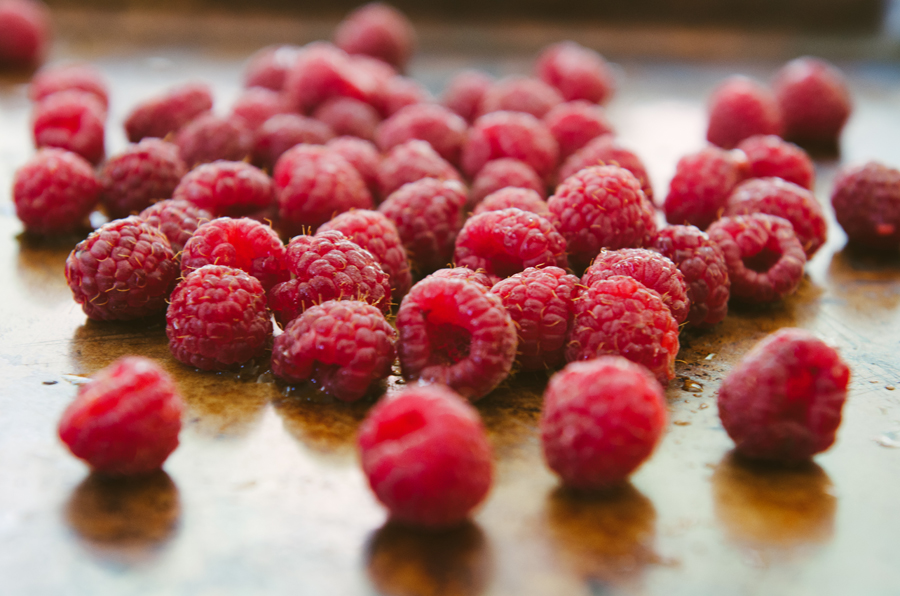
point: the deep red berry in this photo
(814, 100)
(269, 66)
(866, 201)
(283, 131)
(258, 104)
(573, 124)
(321, 71)
(770, 156)
(520, 94)
(520, 198)
(577, 72)
(464, 92)
(349, 116)
(502, 173)
(54, 79)
(605, 150)
(699, 190)
(126, 420)
(444, 130)
(399, 92)
(227, 188)
(26, 33)
(166, 113)
(143, 173)
(412, 161)
(510, 134)
(783, 400)
(210, 137)
(177, 219)
(465, 274)
(740, 108)
(362, 155)
(72, 120)
(377, 30)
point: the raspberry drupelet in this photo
(574, 124)
(362, 155)
(814, 100)
(441, 128)
(520, 198)
(740, 108)
(465, 274)
(502, 173)
(72, 120)
(269, 66)
(520, 94)
(26, 33)
(412, 161)
(209, 137)
(510, 134)
(576, 71)
(166, 113)
(377, 30)
(257, 104)
(143, 173)
(227, 188)
(699, 190)
(349, 116)
(283, 131)
(321, 71)
(866, 201)
(177, 219)
(464, 92)
(605, 150)
(771, 156)
(83, 77)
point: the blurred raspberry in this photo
(26, 33)
(699, 190)
(605, 150)
(209, 137)
(349, 116)
(866, 201)
(143, 173)
(283, 131)
(412, 161)
(576, 71)
(814, 100)
(377, 30)
(399, 92)
(770, 156)
(363, 156)
(573, 124)
(227, 188)
(177, 219)
(81, 77)
(166, 113)
(510, 134)
(257, 104)
(740, 108)
(502, 173)
(320, 72)
(269, 66)
(464, 92)
(71, 120)
(520, 94)
(441, 128)
(520, 198)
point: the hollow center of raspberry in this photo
(764, 259)
(399, 426)
(503, 265)
(449, 343)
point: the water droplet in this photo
(889, 439)
(691, 385)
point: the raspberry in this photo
(426, 455)
(328, 266)
(602, 207)
(348, 116)
(576, 71)
(540, 304)
(177, 219)
(444, 130)
(243, 244)
(166, 113)
(377, 30)
(26, 33)
(412, 161)
(362, 155)
(217, 319)
(739, 108)
(783, 400)
(227, 188)
(133, 179)
(126, 420)
(502, 173)
(457, 333)
(866, 201)
(520, 198)
(269, 66)
(770, 156)
(465, 274)
(399, 92)
(314, 184)
(342, 346)
(652, 269)
(520, 94)
(601, 420)
(283, 131)
(702, 263)
(764, 257)
(621, 316)
(606, 150)
(374, 232)
(257, 104)
(122, 271)
(82, 77)
(774, 196)
(814, 100)
(321, 71)
(573, 124)
(510, 134)
(464, 92)
(209, 137)
(701, 185)
(71, 120)
(55, 191)
(428, 214)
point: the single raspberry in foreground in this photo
(166, 113)
(227, 188)
(71, 120)
(740, 108)
(701, 185)
(576, 71)
(177, 219)
(866, 201)
(770, 155)
(814, 100)
(143, 173)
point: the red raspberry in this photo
(770, 156)
(520, 94)
(702, 263)
(621, 316)
(540, 302)
(814, 100)
(321, 71)
(428, 214)
(699, 190)
(573, 124)
(342, 346)
(457, 333)
(740, 108)
(502, 173)
(399, 92)
(283, 131)
(464, 92)
(520, 198)
(775, 196)
(362, 155)
(126, 420)
(122, 271)
(71, 120)
(652, 269)
(601, 420)
(243, 244)
(764, 257)
(783, 400)
(426, 455)
(55, 191)
(177, 219)
(217, 319)
(412, 161)
(605, 150)
(444, 130)
(328, 266)
(577, 72)
(26, 33)
(166, 113)
(269, 66)
(82, 77)
(348, 116)
(602, 207)
(209, 137)
(465, 274)
(377, 30)
(314, 184)
(510, 134)
(257, 104)
(866, 201)
(133, 179)
(227, 188)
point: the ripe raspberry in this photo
(71, 120)
(621, 316)
(783, 400)
(764, 257)
(573, 124)
(378, 30)
(328, 266)
(283, 131)
(520, 94)
(321, 71)
(774, 196)
(739, 108)
(540, 302)
(577, 72)
(209, 137)
(814, 100)
(166, 113)
(457, 333)
(605, 150)
(82, 77)
(217, 319)
(601, 420)
(412, 161)
(426, 455)
(398, 92)
(349, 116)
(652, 269)
(770, 156)
(126, 420)
(26, 33)
(227, 188)
(269, 66)
(465, 274)
(314, 184)
(602, 207)
(699, 190)
(464, 92)
(177, 219)
(702, 263)
(54, 192)
(257, 104)
(133, 179)
(122, 271)
(510, 134)
(866, 201)
(243, 244)
(502, 173)
(520, 198)
(428, 214)
(362, 155)
(444, 130)
(343, 346)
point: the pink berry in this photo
(349, 116)
(770, 156)
(520, 198)
(26, 33)
(444, 130)
(362, 155)
(814, 100)
(605, 150)
(399, 92)
(699, 190)
(465, 274)
(321, 71)
(377, 30)
(257, 104)
(177, 219)
(283, 131)
(866, 201)
(502, 173)
(166, 113)
(140, 175)
(464, 92)
(269, 66)
(573, 124)
(209, 137)
(412, 161)
(72, 120)
(520, 94)
(81, 77)
(227, 188)
(740, 108)
(510, 134)
(577, 72)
